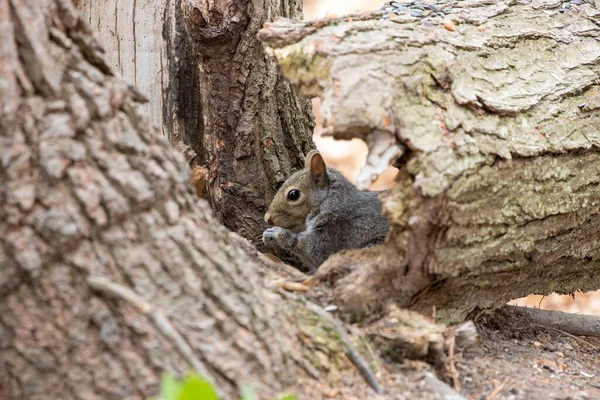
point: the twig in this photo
(497, 390)
(351, 351)
(417, 296)
(568, 334)
(540, 303)
(373, 355)
(437, 386)
(453, 371)
(161, 322)
(594, 20)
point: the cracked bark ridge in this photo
(499, 191)
(89, 188)
(259, 129)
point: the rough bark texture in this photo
(90, 189)
(258, 129)
(495, 125)
(146, 43)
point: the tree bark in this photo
(93, 194)
(573, 324)
(258, 128)
(214, 73)
(494, 125)
(146, 43)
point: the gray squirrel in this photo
(318, 212)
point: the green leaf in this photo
(170, 388)
(248, 393)
(196, 388)
(288, 397)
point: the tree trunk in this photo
(93, 198)
(147, 44)
(491, 110)
(217, 73)
(258, 128)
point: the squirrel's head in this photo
(300, 193)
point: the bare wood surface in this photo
(146, 43)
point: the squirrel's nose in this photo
(268, 218)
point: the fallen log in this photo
(490, 111)
(572, 324)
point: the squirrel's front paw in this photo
(277, 236)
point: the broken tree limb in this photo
(573, 324)
(499, 186)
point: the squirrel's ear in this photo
(308, 158)
(316, 165)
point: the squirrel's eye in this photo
(293, 195)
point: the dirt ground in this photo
(530, 362)
(512, 361)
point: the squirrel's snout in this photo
(268, 218)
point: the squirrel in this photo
(318, 212)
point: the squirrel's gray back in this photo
(348, 218)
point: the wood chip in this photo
(550, 365)
(310, 282)
(450, 25)
(292, 286)
(497, 390)
(273, 258)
